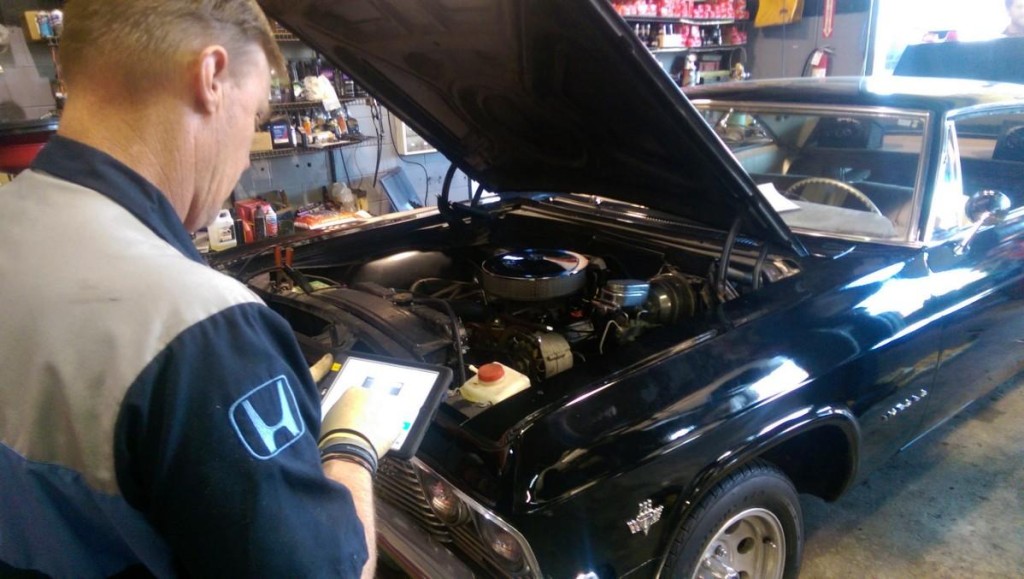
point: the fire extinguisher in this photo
(819, 62)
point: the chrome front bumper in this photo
(412, 549)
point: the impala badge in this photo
(646, 518)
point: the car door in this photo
(978, 267)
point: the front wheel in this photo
(748, 527)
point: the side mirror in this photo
(983, 207)
(985, 203)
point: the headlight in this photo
(444, 501)
(502, 543)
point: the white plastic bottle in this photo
(343, 197)
(222, 232)
(271, 220)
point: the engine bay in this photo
(537, 311)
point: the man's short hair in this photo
(143, 41)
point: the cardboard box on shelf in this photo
(32, 25)
(261, 142)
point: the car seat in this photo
(1010, 147)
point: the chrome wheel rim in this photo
(750, 545)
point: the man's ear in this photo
(208, 77)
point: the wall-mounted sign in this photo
(829, 23)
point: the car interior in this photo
(995, 165)
(846, 163)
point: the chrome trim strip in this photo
(772, 106)
(412, 549)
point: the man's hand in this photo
(362, 414)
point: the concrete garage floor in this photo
(951, 506)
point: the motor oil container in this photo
(270, 220)
(493, 383)
(222, 232)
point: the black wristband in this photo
(347, 448)
(355, 433)
(340, 456)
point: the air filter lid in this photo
(534, 274)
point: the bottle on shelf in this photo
(270, 220)
(259, 221)
(343, 197)
(239, 231)
(348, 86)
(691, 73)
(350, 121)
(296, 80)
(222, 232)
(341, 121)
(307, 128)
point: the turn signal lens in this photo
(507, 548)
(475, 529)
(444, 501)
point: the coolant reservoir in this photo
(493, 383)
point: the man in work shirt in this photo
(155, 416)
(1015, 12)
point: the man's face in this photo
(229, 140)
(1016, 14)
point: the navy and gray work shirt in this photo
(154, 414)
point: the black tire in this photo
(755, 492)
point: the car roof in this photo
(931, 94)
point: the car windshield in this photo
(841, 172)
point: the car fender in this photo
(799, 422)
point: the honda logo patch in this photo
(267, 418)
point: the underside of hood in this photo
(551, 96)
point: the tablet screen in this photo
(414, 390)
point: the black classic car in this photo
(710, 304)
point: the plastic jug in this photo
(343, 197)
(493, 383)
(222, 232)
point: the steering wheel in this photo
(794, 191)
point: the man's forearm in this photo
(359, 482)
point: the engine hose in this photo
(456, 338)
(758, 266)
(723, 263)
(442, 204)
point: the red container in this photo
(21, 141)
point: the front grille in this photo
(398, 484)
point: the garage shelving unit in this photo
(714, 59)
(277, 153)
(299, 106)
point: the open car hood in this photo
(552, 96)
